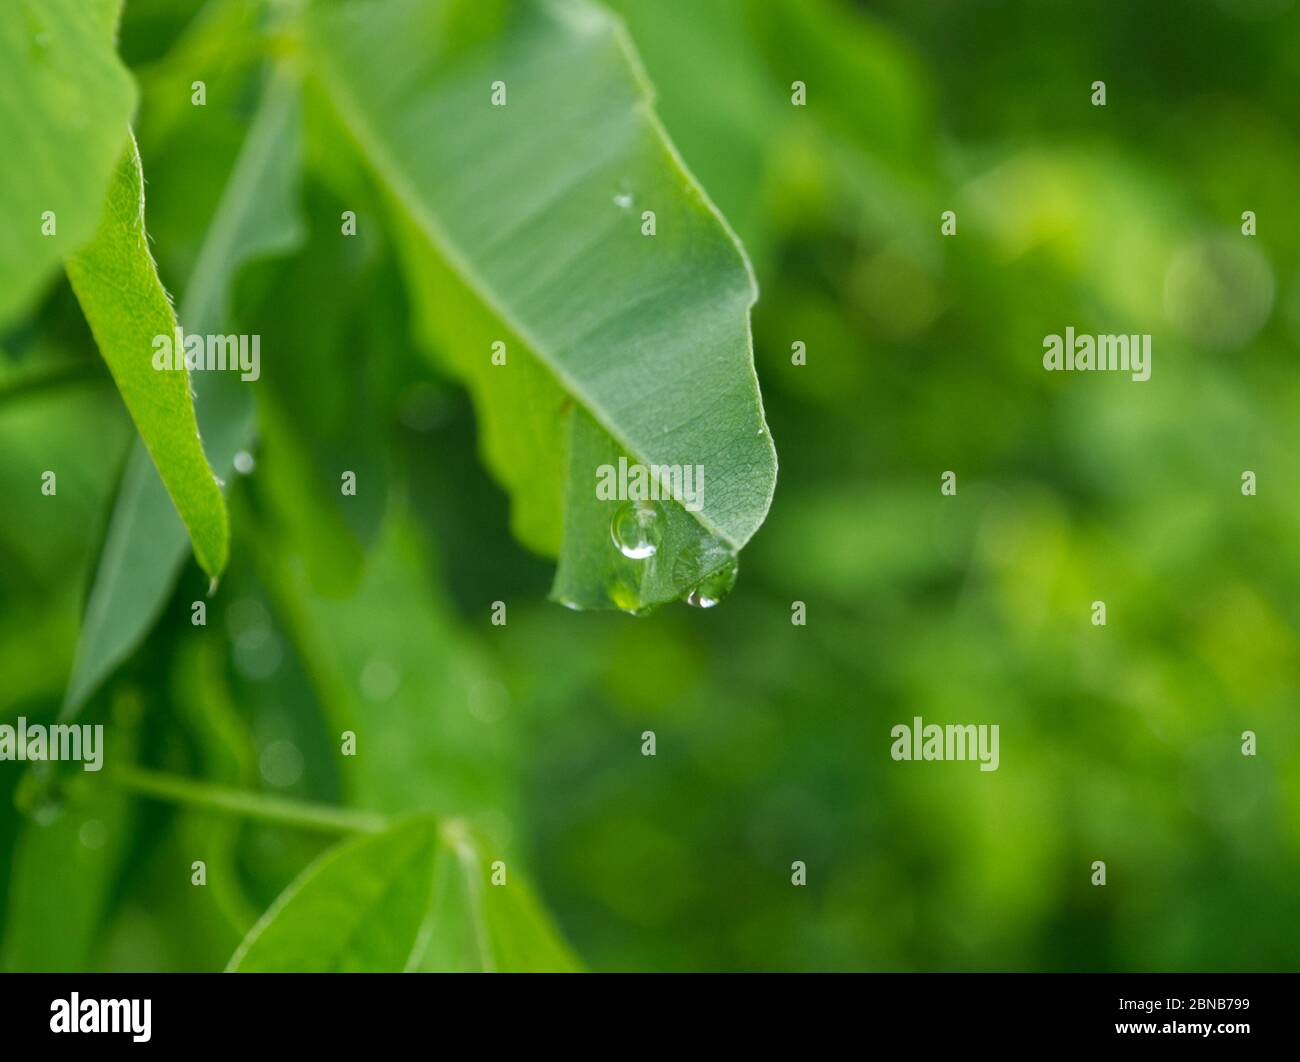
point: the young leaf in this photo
(65, 101)
(529, 165)
(145, 545)
(124, 302)
(359, 907)
(414, 897)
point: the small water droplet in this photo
(623, 201)
(635, 530)
(244, 462)
(714, 587)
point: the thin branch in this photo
(279, 810)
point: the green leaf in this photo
(124, 302)
(65, 101)
(686, 555)
(412, 897)
(526, 221)
(521, 935)
(482, 927)
(359, 907)
(144, 549)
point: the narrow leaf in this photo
(144, 549)
(117, 285)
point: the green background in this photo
(1119, 743)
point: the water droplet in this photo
(244, 462)
(714, 587)
(623, 198)
(635, 530)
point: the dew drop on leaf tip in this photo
(713, 588)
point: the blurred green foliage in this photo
(1119, 743)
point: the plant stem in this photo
(286, 812)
